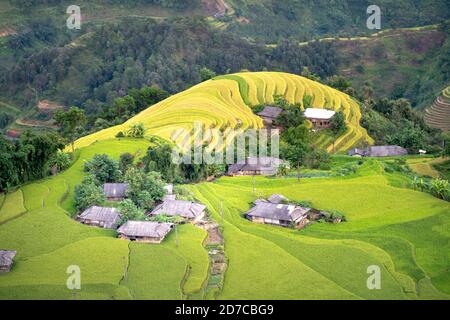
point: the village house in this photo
(115, 191)
(144, 231)
(277, 198)
(270, 115)
(262, 166)
(6, 260)
(285, 215)
(107, 218)
(186, 209)
(378, 151)
(320, 118)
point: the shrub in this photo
(129, 211)
(136, 130)
(88, 194)
(103, 168)
(145, 189)
(120, 134)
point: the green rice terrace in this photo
(388, 224)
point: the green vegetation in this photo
(380, 230)
(36, 222)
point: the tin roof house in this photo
(145, 231)
(264, 166)
(285, 215)
(186, 209)
(115, 191)
(6, 260)
(107, 218)
(378, 151)
(320, 118)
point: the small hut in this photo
(277, 198)
(6, 260)
(145, 231)
(261, 166)
(115, 191)
(378, 151)
(320, 118)
(187, 209)
(284, 215)
(270, 115)
(107, 218)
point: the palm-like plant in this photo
(440, 188)
(420, 183)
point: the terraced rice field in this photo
(225, 102)
(438, 115)
(408, 242)
(36, 221)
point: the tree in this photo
(103, 168)
(9, 175)
(125, 162)
(291, 117)
(446, 138)
(207, 74)
(59, 162)
(144, 189)
(88, 194)
(136, 130)
(318, 159)
(129, 211)
(69, 121)
(295, 144)
(338, 125)
(159, 159)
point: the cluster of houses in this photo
(320, 118)
(277, 210)
(144, 231)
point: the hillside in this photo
(224, 102)
(438, 115)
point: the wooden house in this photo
(115, 191)
(107, 218)
(261, 166)
(320, 118)
(145, 231)
(270, 115)
(378, 151)
(6, 260)
(284, 215)
(186, 209)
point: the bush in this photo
(136, 131)
(145, 189)
(120, 134)
(103, 168)
(129, 211)
(88, 194)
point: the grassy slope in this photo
(383, 229)
(221, 103)
(47, 241)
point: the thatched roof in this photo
(115, 190)
(270, 112)
(266, 165)
(145, 229)
(379, 151)
(6, 257)
(323, 114)
(109, 216)
(284, 212)
(277, 198)
(185, 209)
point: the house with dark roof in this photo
(270, 115)
(378, 151)
(115, 191)
(145, 231)
(186, 209)
(262, 166)
(6, 260)
(320, 118)
(107, 218)
(277, 198)
(285, 215)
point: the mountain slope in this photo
(225, 101)
(438, 115)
